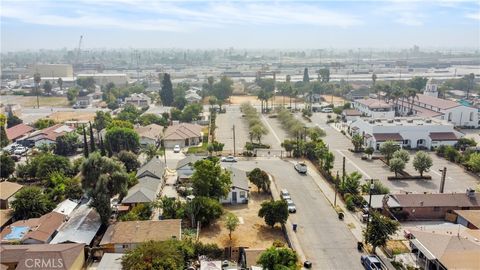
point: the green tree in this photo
(276, 258)
(129, 113)
(3, 133)
(103, 178)
(203, 210)
(397, 165)
(119, 124)
(324, 74)
(417, 83)
(7, 166)
(464, 143)
(30, 202)
(60, 83)
(223, 89)
(231, 223)
(47, 86)
(151, 151)
(72, 94)
(102, 120)
(257, 131)
(351, 184)
(306, 77)
(374, 79)
(129, 159)
(142, 211)
(118, 139)
(422, 162)
(473, 162)
(42, 165)
(260, 179)
(37, 79)
(357, 141)
(164, 255)
(402, 155)
(13, 120)
(171, 208)
(86, 83)
(59, 187)
(150, 118)
(67, 144)
(387, 149)
(85, 144)
(210, 180)
(212, 101)
(43, 123)
(274, 212)
(380, 230)
(92, 138)
(166, 93)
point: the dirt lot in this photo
(61, 117)
(253, 233)
(337, 101)
(31, 101)
(255, 101)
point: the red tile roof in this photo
(436, 102)
(443, 136)
(438, 199)
(18, 131)
(382, 137)
(351, 112)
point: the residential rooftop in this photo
(406, 121)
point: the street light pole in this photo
(336, 187)
(369, 202)
(233, 140)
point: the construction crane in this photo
(77, 57)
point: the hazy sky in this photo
(240, 24)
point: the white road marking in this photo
(355, 165)
(439, 174)
(271, 129)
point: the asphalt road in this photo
(326, 240)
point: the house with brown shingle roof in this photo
(43, 256)
(184, 134)
(122, 236)
(150, 134)
(7, 192)
(434, 206)
(34, 230)
(442, 251)
(47, 135)
(18, 131)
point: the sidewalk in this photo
(352, 221)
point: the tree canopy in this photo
(422, 162)
(210, 180)
(166, 93)
(30, 202)
(260, 179)
(278, 258)
(380, 230)
(274, 212)
(118, 139)
(7, 166)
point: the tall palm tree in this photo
(37, 79)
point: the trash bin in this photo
(341, 215)
(359, 246)
(307, 264)
(294, 227)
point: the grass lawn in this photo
(198, 149)
(31, 101)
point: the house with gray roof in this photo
(154, 168)
(81, 227)
(185, 166)
(146, 191)
(239, 190)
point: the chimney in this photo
(421, 203)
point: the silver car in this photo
(301, 167)
(291, 206)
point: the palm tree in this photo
(60, 83)
(374, 79)
(396, 95)
(412, 93)
(37, 79)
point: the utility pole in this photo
(442, 182)
(233, 140)
(305, 134)
(369, 201)
(343, 170)
(336, 187)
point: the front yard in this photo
(252, 231)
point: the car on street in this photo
(284, 194)
(20, 150)
(229, 159)
(326, 110)
(291, 206)
(371, 262)
(301, 167)
(176, 148)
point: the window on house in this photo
(242, 194)
(471, 116)
(125, 246)
(450, 116)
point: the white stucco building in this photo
(374, 108)
(428, 105)
(411, 133)
(139, 100)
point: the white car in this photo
(284, 194)
(177, 149)
(291, 206)
(301, 167)
(327, 110)
(229, 159)
(20, 150)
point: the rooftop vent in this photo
(410, 121)
(390, 121)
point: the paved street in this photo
(326, 240)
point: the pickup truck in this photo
(371, 262)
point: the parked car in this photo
(301, 167)
(177, 149)
(286, 197)
(20, 150)
(371, 262)
(291, 206)
(327, 110)
(284, 194)
(11, 148)
(229, 159)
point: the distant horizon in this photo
(287, 25)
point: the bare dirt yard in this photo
(31, 101)
(337, 101)
(252, 231)
(279, 100)
(61, 117)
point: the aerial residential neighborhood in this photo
(240, 135)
